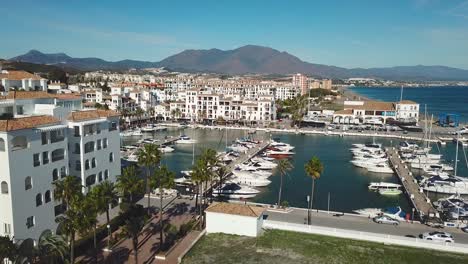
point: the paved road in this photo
(363, 224)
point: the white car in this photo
(383, 219)
(438, 236)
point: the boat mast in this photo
(456, 154)
(401, 93)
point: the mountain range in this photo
(248, 59)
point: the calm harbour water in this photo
(346, 184)
(445, 99)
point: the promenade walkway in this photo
(416, 197)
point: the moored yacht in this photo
(185, 140)
(446, 184)
(235, 191)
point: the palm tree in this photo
(8, 248)
(133, 226)
(150, 157)
(162, 178)
(139, 113)
(313, 168)
(67, 190)
(283, 167)
(51, 248)
(129, 184)
(103, 195)
(68, 226)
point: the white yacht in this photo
(264, 165)
(380, 168)
(132, 157)
(165, 149)
(385, 188)
(239, 148)
(127, 133)
(137, 133)
(250, 181)
(254, 172)
(446, 184)
(148, 128)
(367, 163)
(185, 140)
(235, 191)
(432, 167)
(281, 145)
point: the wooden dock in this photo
(416, 196)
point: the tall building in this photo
(43, 138)
(300, 80)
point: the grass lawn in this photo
(285, 247)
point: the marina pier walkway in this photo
(417, 198)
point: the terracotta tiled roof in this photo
(91, 114)
(407, 102)
(235, 209)
(344, 112)
(68, 96)
(375, 105)
(27, 122)
(19, 75)
(28, 95)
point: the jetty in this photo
(416, 195)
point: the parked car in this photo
(438, 236)
(384, 219)
(465, 229)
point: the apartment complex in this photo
(21, 80)
(43, 138)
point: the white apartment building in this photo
(21, 80)
(43, 138)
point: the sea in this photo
(438, 99)
(341, 187)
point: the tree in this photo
(162, 178)
(8, 249)
(129, 184)
(139, 113)
(103, 195)
(150, 157)
(68, 191)
(134, 223)
(51, 248)
(314, 169)
(284, 166)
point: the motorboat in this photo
(432, 167)
(165, 149)
(446, 184)
(132, 157)
(407, 146)
(185, 140)
(380, 168)
(278, 154)
(250, 181)
(148, 128)
(239, 148)
(367, 163)
(127, 133)
(264, 165)
(393, 212)
(372, 146)
(148, 141)
(183, 181)
(375, 186)
(235, 191)
(187, 172)
(454, 201)
(137, 133)
(368, 156)
(281, 145)
(260, 173)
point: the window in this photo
(87, 165)
(88, 130)
(98, 144)
(45, 157)
(58, 154)
(54, 175)
(104, 143)
(77, 148)
(28, 183)
(47, 197)
(63, 172)
(19, 142)
(90, 180)
(112, 126)
(106, 174)
(44, 138)
(100, 176)
(38, 199)
(30, 222)
(76, 131)
(111, 157)
(4, 187)
(89, 147)
(59, 209)
(2, 144)
(6, 229)
(36, 161)
(98, 128)
(78, 165)
(93, 163)
(57, 135)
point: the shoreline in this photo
(310, 132)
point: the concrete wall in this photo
(233, 224)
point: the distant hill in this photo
(47, 71)
(249, 59)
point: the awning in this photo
(50, 128)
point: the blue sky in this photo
(360, 33)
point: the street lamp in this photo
(109, 236)
(308, 209)
(412, 214)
